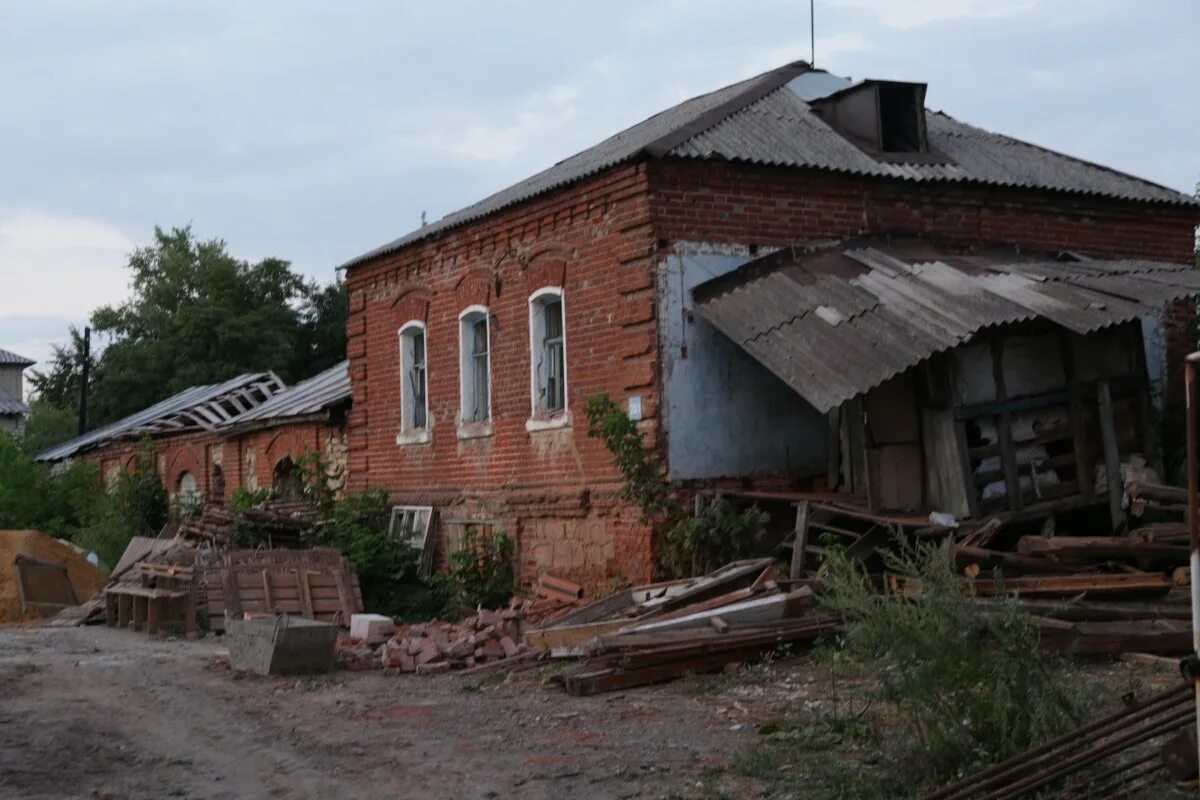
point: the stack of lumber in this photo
(483, 639)
(654, 633)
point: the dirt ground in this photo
(92, 710)
(95, 713)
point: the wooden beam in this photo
(800, 542)
(964, 456)
(1112, 458)
(1072, 584)
(1101, 548)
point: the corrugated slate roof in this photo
(833, 321)
(203, 407)
(767, 120)
(310, 396)
(9, 358)
(12, 406)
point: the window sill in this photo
(474, 430)
(406, 438)
(556, 422)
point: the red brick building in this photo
(209, 441)
(474, 342)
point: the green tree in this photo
(48, 424)
(197, 315)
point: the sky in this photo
(315, 131)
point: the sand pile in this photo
(86, 579)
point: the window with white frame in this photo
(548, 349)
(414, 378)
(475, 373)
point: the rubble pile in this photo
(487, 637)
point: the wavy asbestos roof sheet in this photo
(767, 120)
(834, 321)
(12, 406)
(200, 407)
(9, 358)
(310, 396)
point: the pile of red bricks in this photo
(431, 647)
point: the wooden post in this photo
(964, 456)
(833, 463)
(139, 612)
(306, 604)
(268, 601)
(110, 609)
(229, 586)
(1083, 466)
(124, 610)
(1112, 458)
(800, 542)
(153, 611)
(1008, 454)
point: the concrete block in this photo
(374, 628)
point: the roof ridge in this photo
(762, 86)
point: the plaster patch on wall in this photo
(251, 482)
(725, 414)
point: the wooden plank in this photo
(266, 583)
(965, 556)
(800, 542)
(1102, 548)
(1112, 458)
(1008, 456)
(964, 455)
(346, 596)
(229, 588)
(833, 448)
(565, 641)
(756, 610)
(306, 600)
(1072, 584)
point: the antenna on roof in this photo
(423, 223)
(812, 34)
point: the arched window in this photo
(285, 479)
(548, 353)
(414, 384)
(475, 365)
(186, 488)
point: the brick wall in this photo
(600, 240)
(595, 242)
(245, 461)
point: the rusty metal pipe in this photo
(1020, 765)
(1091, 756)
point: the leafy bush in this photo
(137, 505)
(970, 687)
(720, 534)
(358, 526)
(481, 573)
(243, 499)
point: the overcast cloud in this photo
(314, 131)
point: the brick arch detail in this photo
(474, 288)
(186, 459)
(292, 443)
(412, 304)
(548, 267)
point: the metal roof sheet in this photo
(767, 120)
(319, 392)
(204, 407)
(9, 358)
(833, 321)
(12, 406)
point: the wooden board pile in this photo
(483, 639)
(318, 583)
(653, 633)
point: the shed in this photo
(976, 382)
